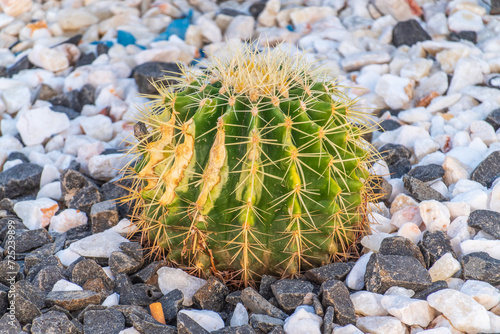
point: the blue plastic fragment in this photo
(289, 27)
(176, 27)
(108, 43)
(125, 38)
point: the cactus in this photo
(253, 166)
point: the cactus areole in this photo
(252, 166)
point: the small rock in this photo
(396, 91)
(482, 292)
(16, 98)
(400, 168)
(380, 325)
(462, 310)
(86, 269)
(401, 246)
(85, 59)
(122, 263)
(368, 303)
(421, 191)
(211, 296)
(427, 173)
(265, 286)
(356, 278)
(409, 311)
(487, 221)
(433, 246)
(445, 267)
(103, 321)
(435, 215)
(36, 214)
(290, 293)
(68, 100)
(97, 127)
(79, 192)
(170, 279)
(240, 316)
(106, 166)
(349, 329)
(409, 33)
(103, 215)
(335, 294)
(488, 170)
(208, 320)
(72, 300)
(359, 60)
(46, 92)
(145, 274)
(385, 271)
(465, 20)
(337, 270)
(55, 323)
(154, 71)
(20, 180)
(257, 304)
(303, 320)
(241, 27)
(29, 300)
(73, 19)
(63, 285)
(171, 303)
(86, 95)
(26, 240)
(482, 267)
(66, 220)
(98, 245)
(493, 118)
(50, 59)
(264, 322)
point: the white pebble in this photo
(170, 279)
(349, 329)
(482, 292)
(98, 127)
(410, 231)
(48, 58)
(50, 190)
(380, 325)
(67, 256)
(98, 245)
(64, 285)
(67, 219)
(36, 214)
(445, 267)
(37, 125)
(16, 98)
(395, 91)
(492, 247)
(368, 303)
(464, 20)
(111, 300)
(240, 316)
(106, 167)
(435, 215)
(408, 311)
(303, 321)
(356, 278)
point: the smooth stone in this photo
(37, 213)
(63, 285)
(368, 303)
(482, 292)
(170, 279)
(66, 220)
(356, 278)
(445, 267)
(99, 244)
(409, 311)
(303, 320)
(39, 124)
(240, 316)
(380, 325)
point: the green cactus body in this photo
(253, 167)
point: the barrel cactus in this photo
(254, 165)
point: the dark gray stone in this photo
(421, 191)
(435, 286)
(186, 325)
(86, 269)
(393, 153)
(482, 267)
(142, 321)
(211, 296)
(108, 321)
(54, 323)
(338, 271)
(47, 277)
(23, 179)
(85, 59)
(385, 271)
(290, 293)
(4, 302)
(122, 263)
(171, 304)
(91, 307)
(72, 300)
(470, 36)
(408, 33)
(71, 113)
(258, 304)
(103, 216)
(49, 261)
(154, 71)
(277, 330)
(26, 240)
(22, 64)
(246, 329)
(234, 297)
(17, 156)
(494, 119)
(399, 168)
(133, 249)
(486, 220)
(401, 246)
(115, 190)
(68, 99)
(434, 245)
(146, 273)
(327, 326)
(389, 125)
(135, 294)
(335, 293)
(265, 323)
(78, 192)
(265, 286)
(86, 95)
(256, 8)
(28, 299)
(382, 189)
(9, 325)
(102, 49)
(488, 170)
(427, 173)
(97, 285)
(38, 255)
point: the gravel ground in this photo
(71, 75)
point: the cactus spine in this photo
(254, 166)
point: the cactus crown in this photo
(253, 166)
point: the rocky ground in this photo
(70, 76)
